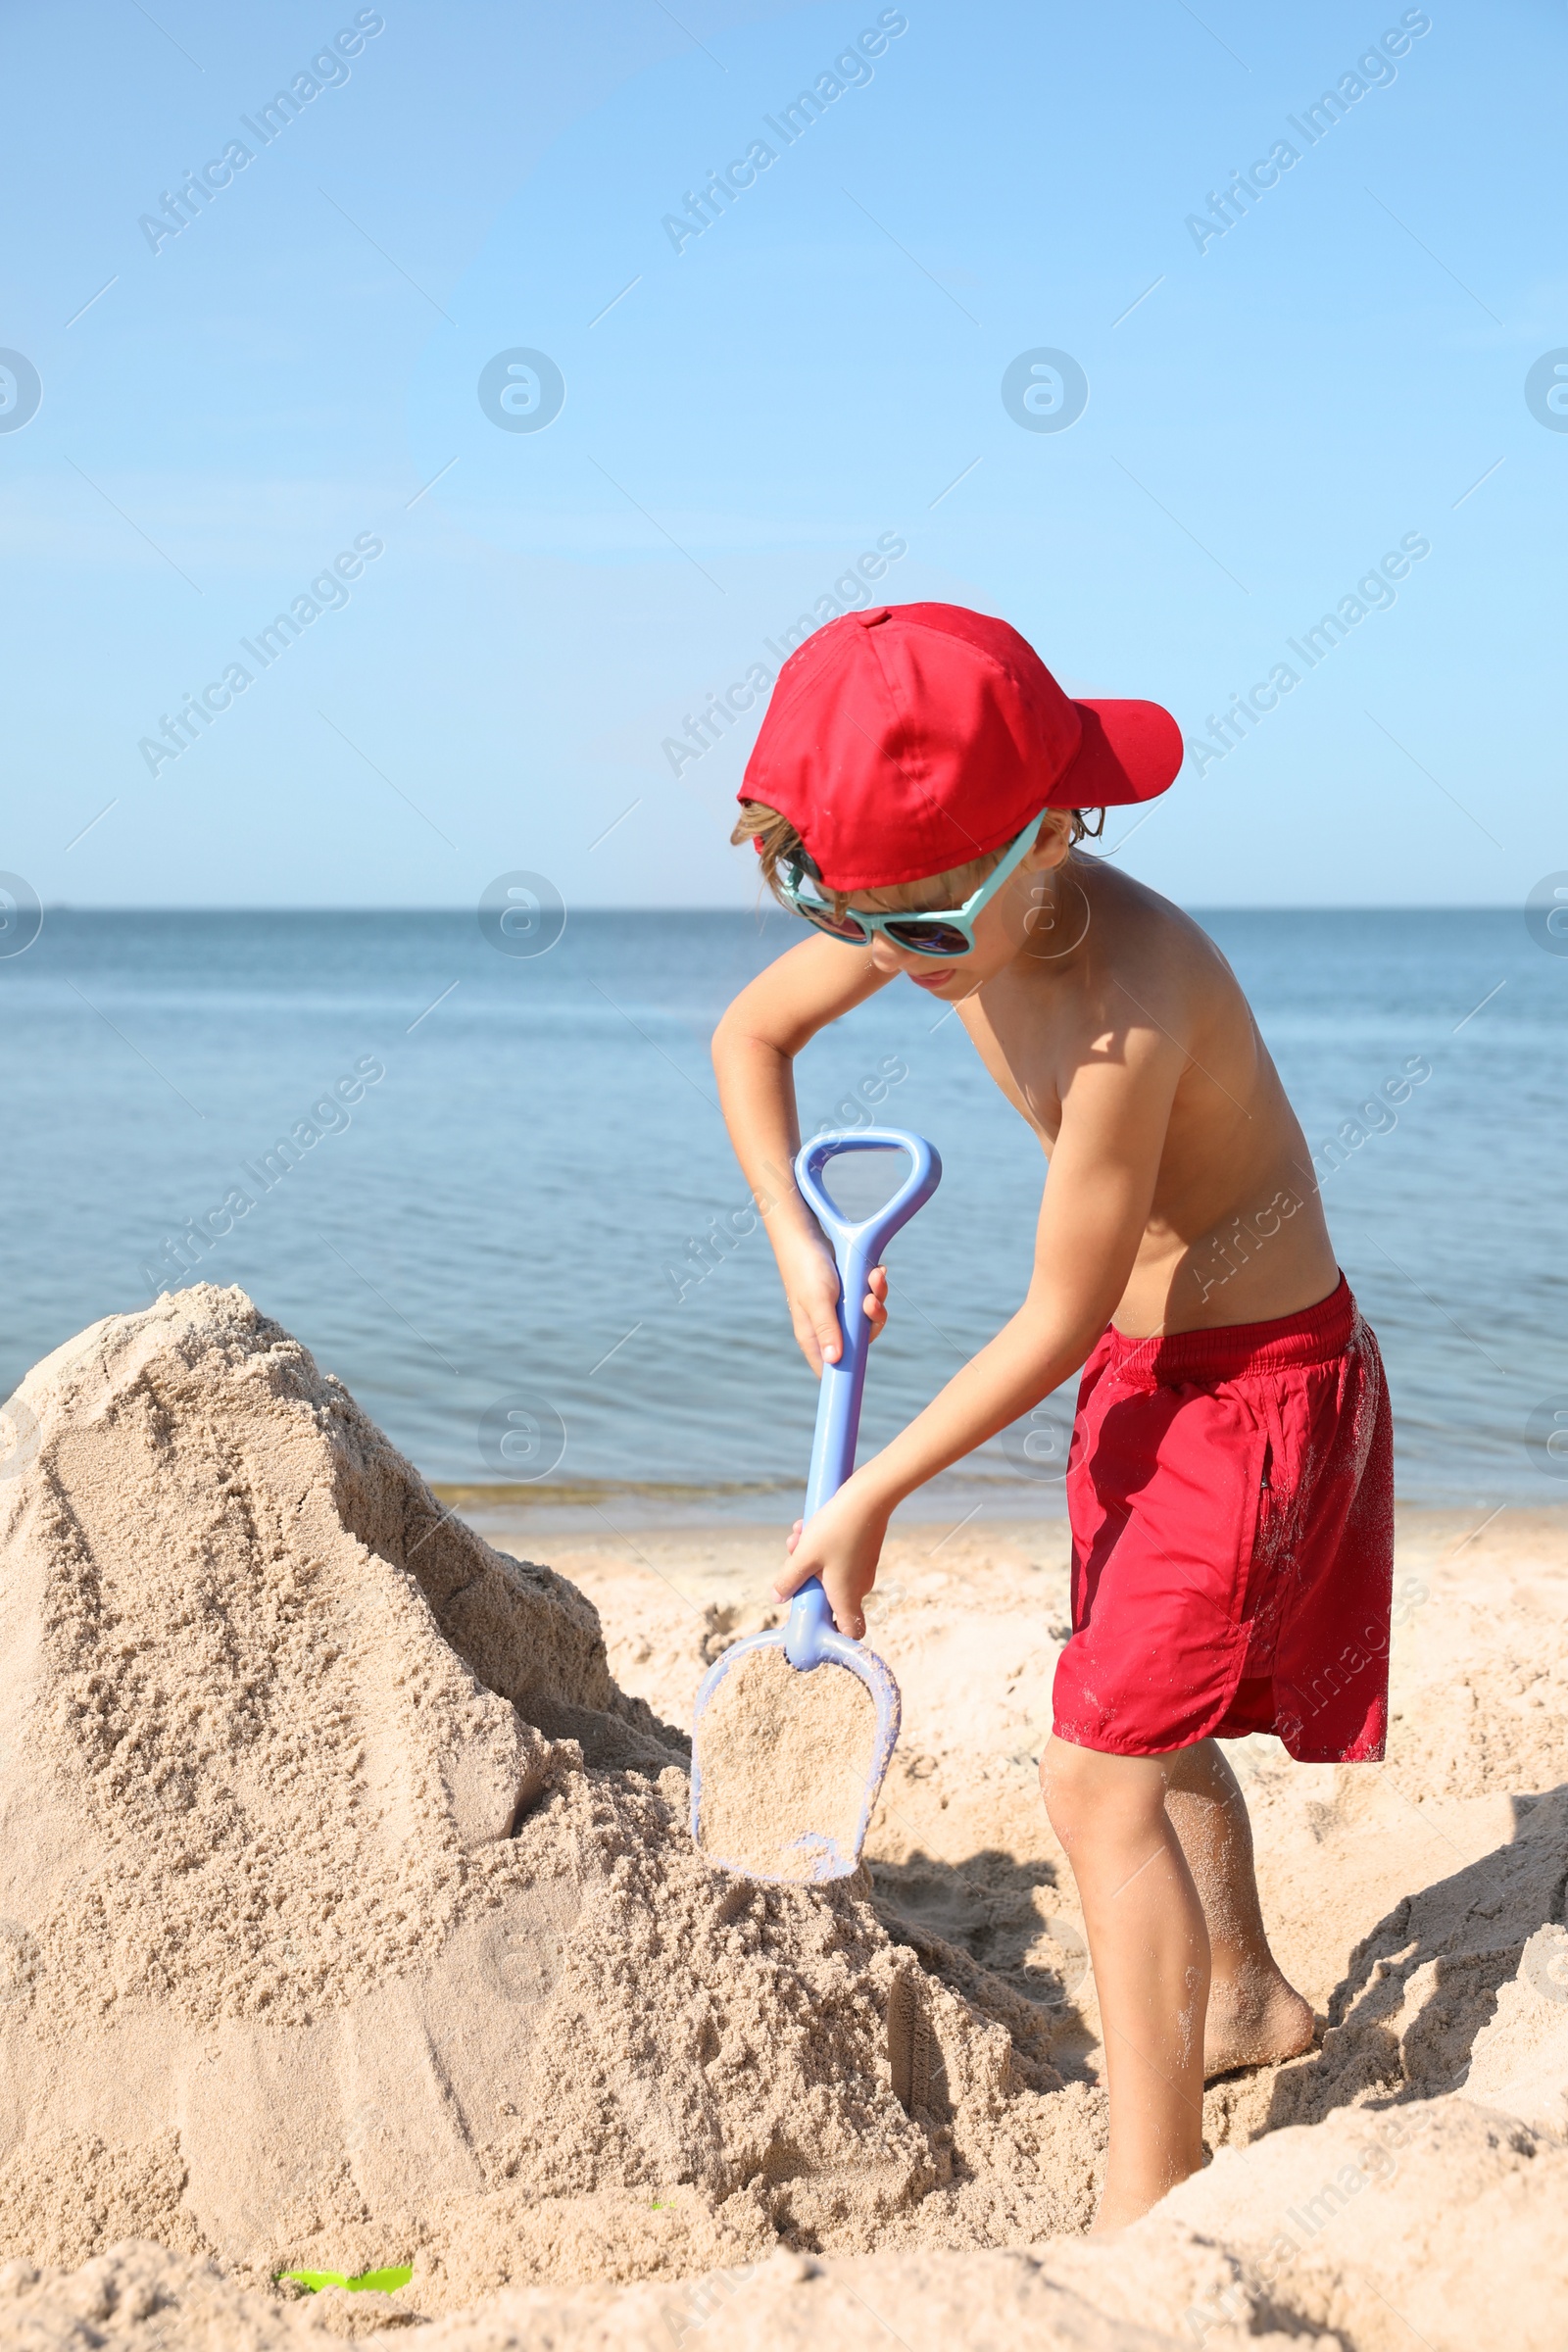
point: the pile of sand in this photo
(350, 1914)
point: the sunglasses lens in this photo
(837, 926)
(929, 939)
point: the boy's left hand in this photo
(842, 1544)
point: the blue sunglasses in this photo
(944, 934)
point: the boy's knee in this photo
(1064, 1770)
(1084, 1786)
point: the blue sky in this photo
(294, 379)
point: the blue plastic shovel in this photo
(810, 1636)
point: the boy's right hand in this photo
(810, 1280)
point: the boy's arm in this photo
(1094, 1214)
(754, 1053)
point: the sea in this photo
(476, 1166)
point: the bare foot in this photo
(1254, 2020)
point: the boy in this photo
(917, 793)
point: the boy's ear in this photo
(1051, 843)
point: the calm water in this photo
(504, 1222)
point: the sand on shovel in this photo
(785, 1756)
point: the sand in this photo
(351, 1916)
(785, 1758)
(348, 1915)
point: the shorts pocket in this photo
(1268, 1559)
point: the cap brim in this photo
(1127, 751)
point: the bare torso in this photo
(1236, 1232)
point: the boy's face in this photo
(1002, 930)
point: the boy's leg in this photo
(1254, 2015)
(1150, 1949)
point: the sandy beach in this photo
(348, 1918)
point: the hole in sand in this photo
(530, 1796)
(908, 2044)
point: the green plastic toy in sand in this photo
(385, 2282)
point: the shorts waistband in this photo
(1315, 1334)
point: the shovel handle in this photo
(856, 1249)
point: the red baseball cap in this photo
(905, 739)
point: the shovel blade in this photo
(787, 1764)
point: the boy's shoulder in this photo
(1146, 944)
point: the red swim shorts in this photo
(1231, 1494)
